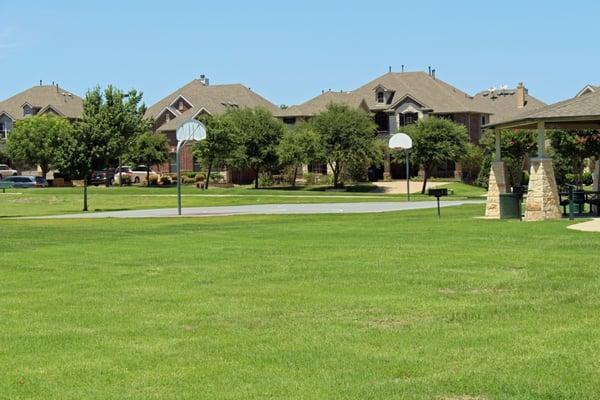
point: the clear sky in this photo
(290, 51)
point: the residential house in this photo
(588, 89)
(192, 100)
(38, 100)
(505, 103)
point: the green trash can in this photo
(510, 205)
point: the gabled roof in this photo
(436, 95)
(588, 89)
(61, 101)
(214, 99)
(502, 105)
(575, 110)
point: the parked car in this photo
(102, 177)
(5, 171)
(27, 181)
(140, 173)
(125, 172)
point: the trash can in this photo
(510, 205)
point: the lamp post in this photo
(401, 141)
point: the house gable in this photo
(181, 104)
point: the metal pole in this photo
(407, 177)
(438, 204)
(179, 144)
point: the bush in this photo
(125, 179)
(310, 179)
(153, 180)
(325, 180)
(200, 177)
(265, 180)
(165, 180)
(216, 177)
(588, 178)
(186, 180)
(288, 175)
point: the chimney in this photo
(402, 67)
(390, 68)
(429, 70)
(433, 73)
(520, 93)
(40, 82)
(204, 80)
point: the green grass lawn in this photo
(396, 305)
(28, 202)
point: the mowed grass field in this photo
(377, 306)
(29, 202)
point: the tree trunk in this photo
(120, 177)
(85, 194)
(256, 173)
(295, 176)
(425, 176)
(208, 175)
(336, 174)
(148, 177)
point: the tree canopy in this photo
(436, 142)
(148, 149)
(260, 135)
(347, 136)
(570, 149)
(298, 146)
(37, 140)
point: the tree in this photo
(471, 161)
(260, 136)
(347, 136)
(121, 115)
(36, 141)
(515, 147)
(88, 146)
(436, 141)
(149, 149)
(570, 149)
(298, 146)
(222, 145)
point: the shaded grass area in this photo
(395, 305)
(28, 202)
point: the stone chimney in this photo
(520, 93)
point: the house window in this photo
(380, 97)
(3, 133)
(317, 168)
(483, 119)
(408, 118)
(27, 111)
(289, 120)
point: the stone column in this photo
(497, 184)
(542, 195)
(597, 176)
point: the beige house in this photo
(38, 100)
(399, 99)
(192, 100)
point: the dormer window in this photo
(380, 97)
(27, 111)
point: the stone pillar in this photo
(497, 184)
(542, 194)
(597, 176)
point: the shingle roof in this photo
(62, 101)
(215, 99)
(577, 109)
(503, 105)
(429, 91)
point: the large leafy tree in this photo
(121, 115)
(515, 146)
(570, 149)
(90, 145)
(347, 136)
(436, 142)
(260, 136)
(36, 141)
(300, 145)
(149, 149)
(223, 143)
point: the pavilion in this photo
(542, 203)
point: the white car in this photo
(140, 173)
(5, 171)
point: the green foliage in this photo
(516, 145)
(298, 146)
(37, 140)
(149, 149)
(200, 177)
(471, 161)
(569, 151)
(310, 178)
(265, 180)
(348, 137)
(436, 141)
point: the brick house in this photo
(192, 100)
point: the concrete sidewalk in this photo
(264, 209)
(588, 226)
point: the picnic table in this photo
(5, 185)
(580, 198)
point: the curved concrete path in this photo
(588, 226)
(265, 209)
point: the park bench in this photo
(5, 185)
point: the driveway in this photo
(265, 209)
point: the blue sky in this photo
(290, 51)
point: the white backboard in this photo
(191, 130)
(400, 141)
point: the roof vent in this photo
(204, 80)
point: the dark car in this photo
(102, 177)
(27, 181)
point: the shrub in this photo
(588, 178)
(125, 179)
(309, 177)
(325, 180)
(200, 177)
(186, 180)
(153, 180)
(165, 179)
(216, 177)
(265, 180)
